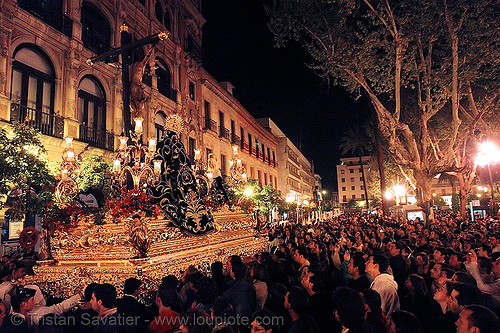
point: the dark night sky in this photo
(276, 83)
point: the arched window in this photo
(92, 112)
(164, 80)
(96, 31)
(160, 120)
(163, 15)
(33, 88)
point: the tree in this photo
(356, 141)
(430, 69)
(23, 166)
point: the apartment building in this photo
(350, 179)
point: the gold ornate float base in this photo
(105, 253)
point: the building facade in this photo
(295, 172)
(47, 80)
(350, 179)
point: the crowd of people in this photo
(352, 273)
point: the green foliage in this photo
(94, 173)
(23, 164)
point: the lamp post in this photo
(489, 154)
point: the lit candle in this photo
(157, 167)
(197, 154)
(238, 161)
(235, 149)
(69, 142)
(117, 167)
(70, 155)
(138, 126)
(210, 175)
(64, 174)
(231, 162)
(152, 145)
(123, 142)
(244, 176)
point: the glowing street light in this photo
(489, 154)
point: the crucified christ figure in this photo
(137, 95)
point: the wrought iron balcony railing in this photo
(223, 132)
(210, 124)
(97, 138)
(50, 15)
(235, 139)
(47, 123)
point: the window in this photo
(209, 151)
(249, 143)
(351, 170)
(242, 136)
(96, 31)
(274, 159)
(343, 180)
(363, 196)
(443, 192)
(191, 147)
(191, 90)
(259, 178)
(32, 88)
(342, 172)
(257, 148)
(223, 164)
(208, 120)
(353, 188)
(353, 196)
(344, 198)
(360, 171)
(265, 178)
(268, 156)
(352, 179)
(164, 80)
(160, 120)
(222, 129)
(163, 15)
(92, 112)
(49, 11)
(360, 179)
(343, 188)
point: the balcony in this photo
(167, 91)
(223, 132)
(47, 123)
(97, 138)
(235, 139)
(210, 124)
(50, 15)
(193, 49)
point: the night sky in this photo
(276, 82)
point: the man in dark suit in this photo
(129, 307)
(241, 293)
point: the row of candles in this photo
(68, 157)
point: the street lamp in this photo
(489, 154)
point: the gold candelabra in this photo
(135, 160)
(236, 168)
(67, 188)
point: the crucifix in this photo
(132, 91)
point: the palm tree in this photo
(357, 142)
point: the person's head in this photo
(477, 319)
(394, 248)
(415, 284)
(464, 277)
(356, 265)
(421, 259)
(238, 270)
(301, 254)
(39, 299)
(217, 268)
(103, 297)
(494, 240)
(495, 264)
(166, 296)
(195, 321)
(260, 272)
(264, 321)
(376, 265)
(206, 289)
(462, 294)
(404, 322)
(439, 254)
(296, 300)
(373, 300)
(222, 310)
(23, 300)
(19, 271)
(484, 264)
(131, 286)
(89, 290)
(456, 260)
(349, 307)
